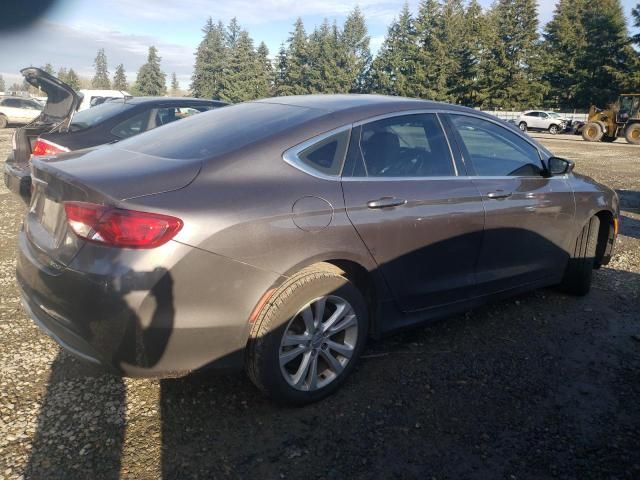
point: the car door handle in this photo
(386, 202)
(499, 194)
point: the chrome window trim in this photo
(291, 157)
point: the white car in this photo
(91, 98)
(18, 110)
(540, 120)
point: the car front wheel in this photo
(523, 126)
(553, 129)
(3, 121)
(579, 270)
(306, 340)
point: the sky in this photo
(70, 34)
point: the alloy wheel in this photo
(318, 343)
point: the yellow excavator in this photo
(620, 119)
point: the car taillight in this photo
(46, 148)
(117, 227)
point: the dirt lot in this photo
(540, 386)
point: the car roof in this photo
(143, 100)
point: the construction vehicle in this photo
(620, 119)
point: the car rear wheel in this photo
(632, 133)
(307, 338)
(523, 126)
(592, 132)
(579, 270)
(3, 121)
(554, 129)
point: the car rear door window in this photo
(494, 150)
(12, 102)
(132, 126)
(403, 146)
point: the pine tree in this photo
(295, 77)
(2, 84)
(101, 77)
(565, 43)
(208, 72)
(175, 86)
(280, 74)
(465, 89)
(355, 40)
(151, 80)
(635, 14)
(265, 72)
(233, 32)
(240, 83)
(393, 71)
(327, 58)
(72, 79)
(608, 63)
(512, 76)
(120, 79)
(62, 74)
(433, 63)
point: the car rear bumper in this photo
(18, 181)
(158, 322)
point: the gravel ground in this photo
(540, 386)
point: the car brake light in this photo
(46, 148)
(116, 227)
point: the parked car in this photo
(18, 110)
(106, 123)
(91, 98)
(539, 120)
(280, 234)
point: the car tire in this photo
(579, 270)
(294, 373)
(554, 129)
(592, 132)
(522, 126)
(3, 121)
(632, 134)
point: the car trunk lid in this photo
(105, 176)
(62, 100)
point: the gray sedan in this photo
(280, 234)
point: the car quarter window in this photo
(494, 150)
(326, 156)
(132, 126)
(402, 146)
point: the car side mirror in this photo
(559, 166)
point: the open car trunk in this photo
(62, 102)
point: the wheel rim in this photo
(591, 132)
(553, 130)
(635, 134)
(523, 127)
(318, 343)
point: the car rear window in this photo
(219, 131)
(94, 115)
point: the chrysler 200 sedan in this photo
(280, 234)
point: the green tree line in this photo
(447, 50)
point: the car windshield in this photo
(219, 131)
(92, 116)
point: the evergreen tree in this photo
(265, 72)
(241, 78)
(208, 72)
(120, 79)
(72, 79)
(295, 75)
(434, 57)
(175, 86)
(151, 80)
(635, 13)
(393, 71)
(512, 75)
(355, 41)
(608, 63)
(565, 43)
(233, 33)
(48, 68)
(101, 77)
(327, 58)
(280, 77)
(465, 89)
(62, 74)
(2, 84)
